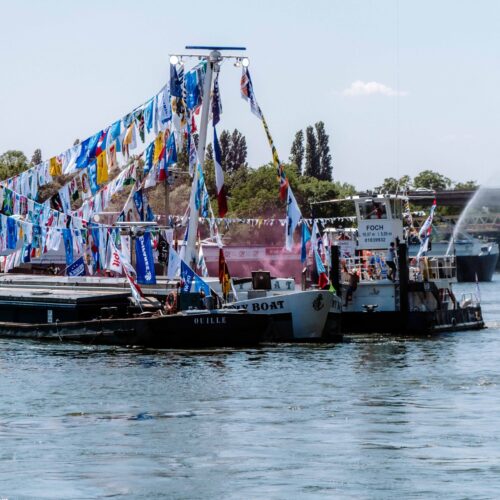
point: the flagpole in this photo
(212, 61)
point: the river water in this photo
(369, 418)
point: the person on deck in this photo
(390, 260)
(352, 286)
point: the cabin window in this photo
(373, 209)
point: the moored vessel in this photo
(384, 290)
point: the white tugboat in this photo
(417, 299)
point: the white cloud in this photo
(360, 88)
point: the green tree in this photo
(392, 185)
(12, 163)
(466, 186)
(312, 167)
(297, 150)
(237, 155)
(429, 179)
(37, 157)
(325, 158)
(225, 147)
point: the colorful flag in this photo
(148, 115)
(171, 151)
(216, 102)
(247, 92)
(320, 268)
(306, 236)
(77, 268)
(175, 82)
(55, 168)
(202, 265)
(425, 231)
(192, 282)
(224, 276)
(148, 164)
(102, 168)
(144, 260)
(174, 263)
(73, 190)
(139, 203)
(219, 178)
(134, 288)
(139, 116)
(193, 155)
(293, 216)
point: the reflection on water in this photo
(374, 417)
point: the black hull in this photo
(333, 327)
(215, 329)
(413, 323)
(483, 265)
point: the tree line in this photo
(253, 192)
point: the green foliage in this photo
(325, 158)
(312, 166)
(466, 186)
(297, 150)
(429, 179)
(318, 162)
(12, 163)
(36, 159)
(391, 185)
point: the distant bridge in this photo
(490, 197)
(486, 222)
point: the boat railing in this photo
(469, 299)
(372, 267)
(433, 268)
(367, 267)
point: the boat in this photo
(476, 259)
(297, 315)
(418, 300)
(102, 316)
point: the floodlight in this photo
(174, 59)
(245, 61)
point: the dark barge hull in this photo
(482, 265)
(204, 330)
(413, 323)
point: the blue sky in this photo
(401, 86)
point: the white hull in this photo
(297, 315)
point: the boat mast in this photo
(212, 59)
(191, 256)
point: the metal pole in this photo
(212, 60)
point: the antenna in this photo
(212, 47)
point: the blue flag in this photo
(148, 115)
(306, 236)
(26, 253)
(92, 169)
(171, 151)
(83, 157)
(68, 245)
(77, 268)
(139, 203)
(92, 148)
(144, 260)
(192, 282)
(175, 82)
(11, 233)
(115, 130)
(148, 165)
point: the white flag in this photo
(174, 263)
